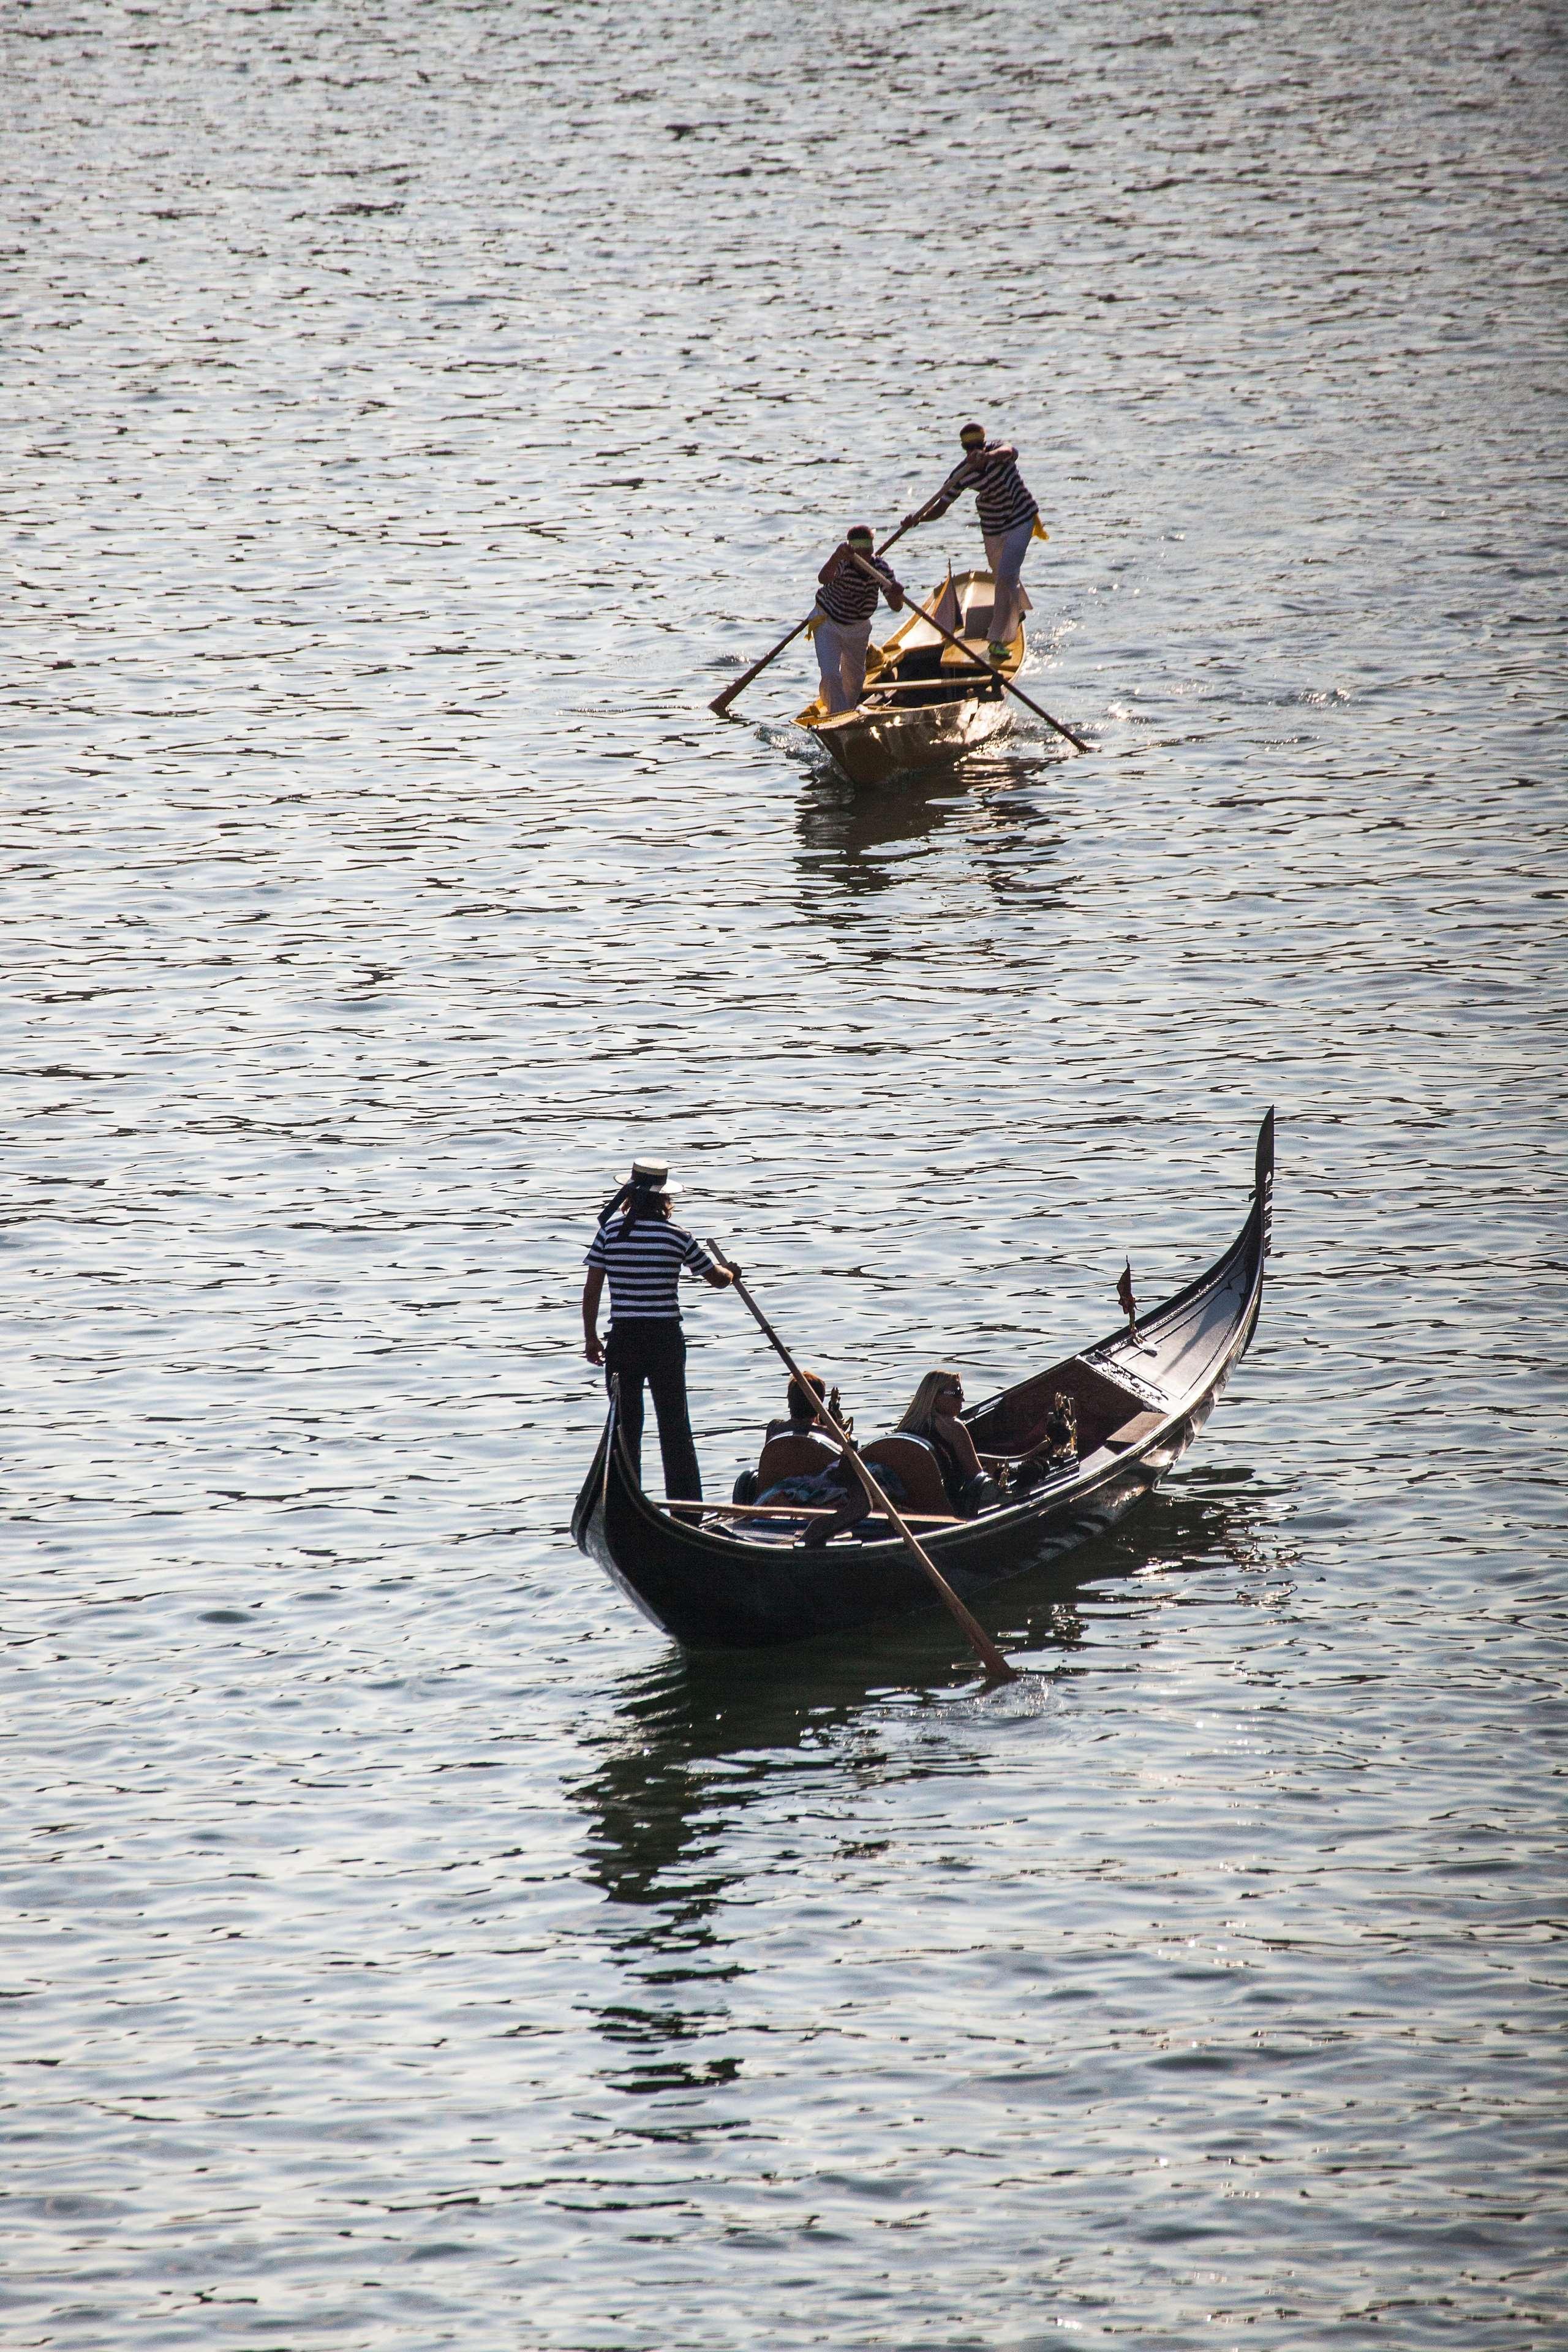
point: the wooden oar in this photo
(802, 1511)
(978, 664)
(721, 702)
(984, 1648)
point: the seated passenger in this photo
(835, 1492)
(804, 1420)
(933, 1414)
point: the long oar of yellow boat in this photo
(975, 661)
(721, 702)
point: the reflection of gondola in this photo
(924, 705)
(850, 845)
(1140, 1403)
(659, 1812)
(840, 832)
(659, 1815)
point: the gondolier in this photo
(643, 1253)
(845, 601)
(1009, 519)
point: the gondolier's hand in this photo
(593, 1347)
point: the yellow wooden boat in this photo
(924, 705)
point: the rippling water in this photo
(413, 415)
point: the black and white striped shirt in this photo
(1000, 495)
(644, 1267)
(847, 595)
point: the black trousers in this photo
(654, 1351)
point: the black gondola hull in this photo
(711, 1590)
(723, 1595)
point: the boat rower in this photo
(845, 601)
(1009, 519)
(644, 1253)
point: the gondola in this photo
(924, 705)
(718, 1579)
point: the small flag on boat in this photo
(1129, 1304)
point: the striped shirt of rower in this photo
(644, 1267)
(848, 596)
(1000, 494)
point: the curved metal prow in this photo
(1264, 1178)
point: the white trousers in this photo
(1004, 553)
(841, 657)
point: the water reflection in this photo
(697, 1742)
(1199, 1523)
(853, 837)
(698, 1736)
(853, 842)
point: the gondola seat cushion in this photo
(825, 1490)
(916, 1465)
(789, 1457)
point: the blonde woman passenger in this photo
(932, 1414)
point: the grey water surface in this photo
(412, 416)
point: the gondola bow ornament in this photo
(1129, 1304)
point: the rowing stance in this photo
(845, 601)
(642, 1253)
(1009, 519)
